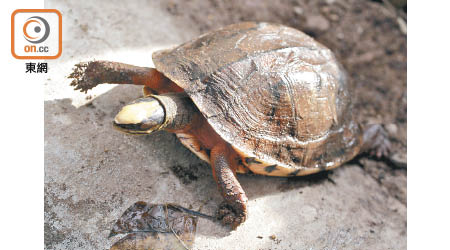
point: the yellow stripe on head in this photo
(136, 112)
(142, 116)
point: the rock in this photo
(399, 159)
(317, 23)
(392, 129)
(298, 10)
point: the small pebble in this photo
(84, 27)
(334, 17)
(402, 25)
(392, 129)
(317, 22)
(400, 159)
(298, 10)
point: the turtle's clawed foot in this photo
(80, 76)
(376, 141)
(84, 76)
(230, 216)
(234, 208)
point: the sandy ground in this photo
(93, 173)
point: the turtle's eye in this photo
(141, 116)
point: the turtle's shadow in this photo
(179, 167)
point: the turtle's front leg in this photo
(234, 210)
(87, 75)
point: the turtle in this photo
(251, 97)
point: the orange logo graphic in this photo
(36, 34)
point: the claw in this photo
(81, 75)
(229, 216)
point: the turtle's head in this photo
(172, 112)
(141, 116)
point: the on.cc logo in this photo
(36, 34)
(36, 29)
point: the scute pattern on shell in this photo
(270, 91)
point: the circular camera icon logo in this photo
(36, 29)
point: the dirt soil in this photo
(93, 174)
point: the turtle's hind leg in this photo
(234, 209)
(376, 141)
(87, 75)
